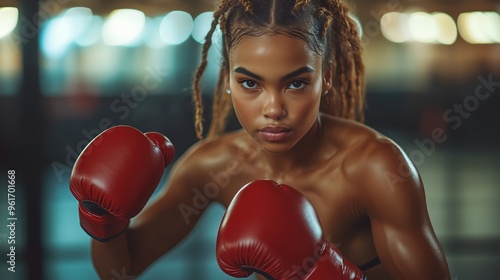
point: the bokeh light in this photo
(176, 27)
(8, 20)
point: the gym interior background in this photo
(70, 69)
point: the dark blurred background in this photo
(70, 69)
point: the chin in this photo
(275, 148)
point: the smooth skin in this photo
(368, 195)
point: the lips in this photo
(275, 129)
(274, 133)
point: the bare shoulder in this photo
(372, 161)
(208, 156)
(358, 139)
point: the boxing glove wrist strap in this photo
(332, 263)
(98, 223)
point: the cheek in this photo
(306, 110)
(307, 104)
(305, 113)
(243, 109)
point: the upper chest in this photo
(333, 196)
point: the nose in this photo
(274, 106)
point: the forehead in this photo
(269, 50)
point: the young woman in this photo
(293, 74)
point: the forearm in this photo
(112, 259)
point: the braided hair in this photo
(324, 25)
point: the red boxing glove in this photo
(274, 230)
(114, 177)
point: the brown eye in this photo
(249, 84)
(297, 85)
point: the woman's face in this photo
(276, 84)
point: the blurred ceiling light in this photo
(480, 27)
(91, 34)
(493, 28)
(61, 31)
(436, 28)
(394, 27)
(201, 26)
(422, 27)
(447, 29)
(123, 27)
(176, 27)
(471, 27)
(8, 20)
(153, 39)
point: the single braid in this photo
(247, 4)
(224, 6)
(219, 105)
(327, 15)
(300, 3)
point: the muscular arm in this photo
(157, 229)
(395, 203)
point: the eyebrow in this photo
(305, 69)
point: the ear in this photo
(327, 77)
